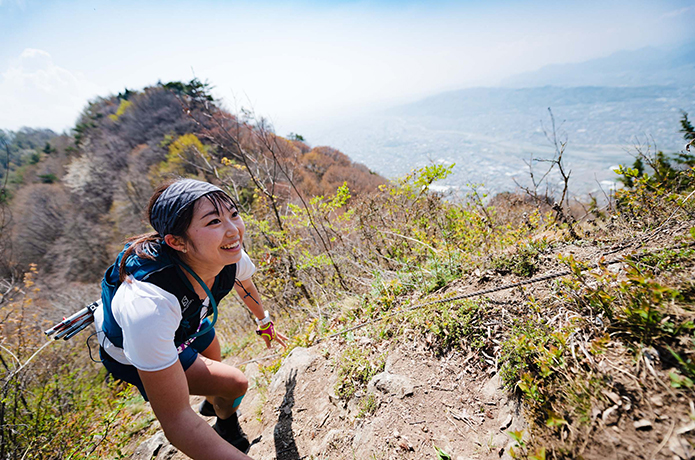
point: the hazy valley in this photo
(491, 132)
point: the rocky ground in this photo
(424, 401)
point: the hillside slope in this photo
(426, 396)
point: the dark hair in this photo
(147, 244)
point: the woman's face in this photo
(214, 238)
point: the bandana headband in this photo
(174, 200)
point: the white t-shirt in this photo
(149, 317)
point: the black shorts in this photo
(129, 373)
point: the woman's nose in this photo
(232, 229)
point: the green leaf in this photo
(516, 435)
(441, 455)
(539, 455)
(554, 420)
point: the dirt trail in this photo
(422, 402)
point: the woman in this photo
(153, 329)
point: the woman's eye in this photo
(214, 221)
(235, 214)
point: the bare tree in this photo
(541, 189)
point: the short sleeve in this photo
(245, 268)
(149, 317)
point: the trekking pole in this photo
(73, 324)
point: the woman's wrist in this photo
(263, 321)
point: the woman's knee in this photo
(236, 384)
(242, 383)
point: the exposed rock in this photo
(332, 440)
(298, 361)
(491, 388)
(391, 384)
(362, 442)
(643, 424)
(150, 448)
(167, 452)
(391, 359)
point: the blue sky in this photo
(302, 62)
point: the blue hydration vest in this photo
(165, 271)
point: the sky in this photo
(301, 62)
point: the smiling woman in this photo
(153, 328)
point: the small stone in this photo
(507, 421)
(333, 398)
(610, 416)
(614, 397)
(686, 428)
(643, 424)
(657, 400)
(491, 387)
(391, 384)
(405, 444)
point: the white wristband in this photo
(264, 321)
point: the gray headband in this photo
(175, 199)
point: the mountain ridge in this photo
(641, 67)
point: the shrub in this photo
(356, 368)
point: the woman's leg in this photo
(221, 382)
(213, 352)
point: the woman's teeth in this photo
(231, 246)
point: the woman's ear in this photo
(175, 242)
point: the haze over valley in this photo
(491, 133)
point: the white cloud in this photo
(676, 13)
(34, 91)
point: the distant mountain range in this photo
(643, 67)
(604, 107)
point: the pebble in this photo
(615, 399)
(643, 424)
(657, 400)
(506, 423)
(610, 416)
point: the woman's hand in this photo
(252, 299)
(168, 392)
(268, 334)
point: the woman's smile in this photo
(214, 238)
(232, 246)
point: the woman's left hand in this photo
(268, 334)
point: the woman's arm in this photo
(168, 393)
(250, 296)
(252, 299)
